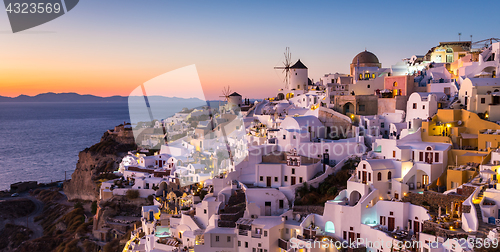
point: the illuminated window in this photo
(395, 84)
(329, 227)
(373, 76)
(367, 76)
(360, 76)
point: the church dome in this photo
(365, 57)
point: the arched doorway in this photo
(354, 198)
(280, 97)
(348, 108)
(329, 227)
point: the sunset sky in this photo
(109, 47)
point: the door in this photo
(352, 236)
(293, 180)
(425, 180)
(161, 163)
(268, 208)
(416, 227)
(390, 225)
(268, 184)
(364, 177)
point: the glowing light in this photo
(448, 125)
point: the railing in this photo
(243, 232)
(256, 235)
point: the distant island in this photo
(74, 97)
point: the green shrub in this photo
(332, 191)
(78, 205)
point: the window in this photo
(373, 77)
(391, 213)
(216, 238)
(293, 170)
(281, 205)
(286, 179)
(368, 86)
(483, 100)
(379, 176)
(364, 166)
(300, 179)
(286, 231)
(393, 154)
(382, 125)
(437, 157)
(414, 106)
(229, 239)
(421, 156)
(294, 137)
(275, 179)
(345, 235)
(412, 154)
(246, 244)
(284, 136)
(395, 84)
(329, 227)
(367, 76)
(265, 233)
(239, 243)
(261, 178)
(369, 176)
(360, 76)
(423, 106)
(389, 175)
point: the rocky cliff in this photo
(95, 162)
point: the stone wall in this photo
(305, 210)
(441, 231)
(434, 199)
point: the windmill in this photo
(286, 65)
(225, 93)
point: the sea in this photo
(40, 141)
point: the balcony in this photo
(256, 235)
(243, 232)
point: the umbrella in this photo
(490, 172)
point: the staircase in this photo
(484, 228)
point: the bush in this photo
(332, 191)
(132, 194)
(78, 205)
(202, 194)
(150, 199)
(93, 207)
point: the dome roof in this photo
(365, 57)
